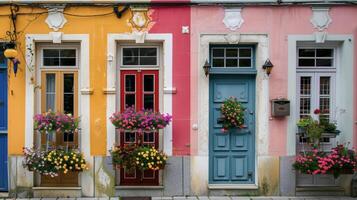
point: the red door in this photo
(139, 88)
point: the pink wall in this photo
(278, 23)
(170, 20)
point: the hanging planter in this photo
(141, 121)
(132, 157)
(341, 160)
(54, 162)
(232, 114)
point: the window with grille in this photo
(232, 57)
(315, 86)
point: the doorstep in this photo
(4, 194)
(56, 192)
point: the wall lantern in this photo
(206, 68)
(268, 66)
(11, 53)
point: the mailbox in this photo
(280, 107)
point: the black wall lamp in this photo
(206, 68)
(268, 66)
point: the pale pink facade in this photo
(281, 26)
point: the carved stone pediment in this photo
(233, 19)
(55, 18)
(320, 18)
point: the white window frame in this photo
(315, 92)
(61, 46)
(316, 68)
(122, 66)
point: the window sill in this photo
(159, 187)
(232, 186)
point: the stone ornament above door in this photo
(233, 19)
(320, 18)
(140, 19)
(55, 18)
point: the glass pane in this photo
(68, 53)
(131, 52)
(149, 101)
(245, 52)
(68, 83)
(232, 53)
(68, 96)
(129, 100)
(68, 62)
(68, 137)
(129, 137)
(149, 137)
(218, 52)
(324, 52)
(148, 61)
(324, 62)
(305, 85)
(148, 52)
(130, 83)
(51, 53)
(325, 85)
(148, 83)
(306, 62)
(51, 61)
(232, 63)
(245, 63)
(325, 105)
(218, 63)
(130, 60)
(305, 105)
(50, 91)
(306, 52)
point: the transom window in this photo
(232, 57)
(313, 57)
(140, 56)
(59, 57)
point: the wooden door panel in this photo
(232, 153)
(144, 87)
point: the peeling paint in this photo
(105, 180)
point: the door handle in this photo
(250, 175)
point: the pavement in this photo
(199, 198)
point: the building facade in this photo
(90, 58)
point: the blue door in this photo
(232, 154)
(3, 130)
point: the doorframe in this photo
(164, 40)
(200, 161)
(5, 67)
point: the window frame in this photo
(316, 68)
(121, 55)
(62, 46)
(252, 57)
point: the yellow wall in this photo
(97, 28)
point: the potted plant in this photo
(232, 112)
(315, 129)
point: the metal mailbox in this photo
(280, 107)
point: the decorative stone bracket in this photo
(87, 91)
(55, 18)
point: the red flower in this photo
(317, 111)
